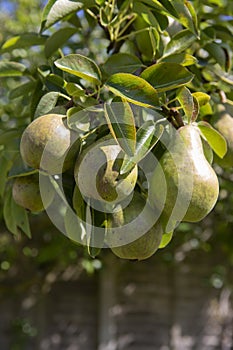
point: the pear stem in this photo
(173, 116)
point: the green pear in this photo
(26, 193)
(223, 122)
(46, 144)
(184, 186)
(133, 232)
(97, 172)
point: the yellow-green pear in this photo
(223, 122)
(46, 144)
(26, 193)
(134, 232)
(97, 172)
(184, 185)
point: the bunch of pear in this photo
(182, 187)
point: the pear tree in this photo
(117, 120)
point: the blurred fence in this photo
(151, 305)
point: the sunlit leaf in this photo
(81, 66)
(166, 238)
(181, 58)
(186, 101)
(47, 103)
(56, 10)
(216, 141)
(179, 42)
(134, 89)
(121, 123)
(11, 69)
(23, 41)
(202, 98)
(147, 137)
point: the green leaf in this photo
(19, 168)
(15, 216)
(147, 137)
(78, 119)
(121, 123)
(5, 165)
(216, 141)
(78, 204)
(166, 76)
(74, 90)
(208, 152)
(47, 103)
(81, 66)
(8, 214)
(177, 9)
(186, 15)
(165, 6)
(96, 231)
(196, 109)
(11, 69)
(201, 97)
(56, 80)
(21, 217)
(179, 42)
(74, 227)
(134, 89)
(22, 90)
(23, 41)
(217, 53)
(122, 63)
(8, 136)
(145, 12)
(56, 10)
(182, 58)
(166, 238)
(58, 39)
(186, 101)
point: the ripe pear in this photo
(97, 172)
(26, 193)
(46, 144)
(133, 232)
(185, 178)
(223, 122)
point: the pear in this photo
(223, 122)
(46, 144)
(26, 193)
(97, 172)
(132, 231)
(184, 186)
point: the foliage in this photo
(172, 58)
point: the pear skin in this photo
(186, 177)
(97, 172)
(26, 193)
(143, 235)
(224, 124)
(46, 142)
